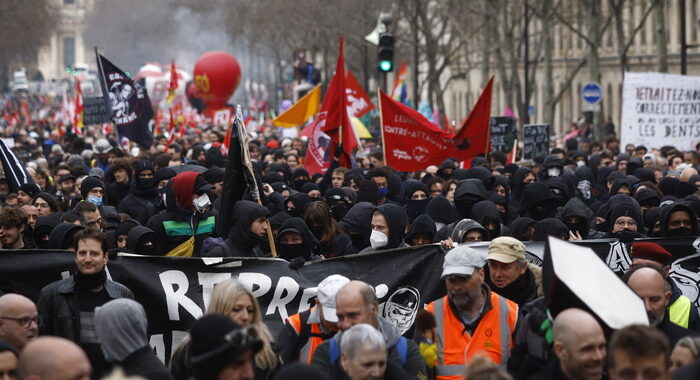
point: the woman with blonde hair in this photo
(234, 300)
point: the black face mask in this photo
(626, 236)
(679, 232)
(293, 212)
(290, 251)
(358, 241)
(338, 212)
(298, 184)
(581, 227)
(145, 183)
(148, 250)
(541, 211)
(414, 208)
(464, 208)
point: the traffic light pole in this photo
(385, 84)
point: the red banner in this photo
(358, 101)
(411, 142)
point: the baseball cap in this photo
(506, 249)
(462, 261)
(327, 289)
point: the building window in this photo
(68, 52)
(68, 2)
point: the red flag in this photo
(358, 101)
(227, 140)
(411, 142)
(173, 83)
(171, 125)
(333, 116)
(78, 114)
(473, 138)
(159, 120)
(26, 114)
(318, 150)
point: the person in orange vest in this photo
(305, 331)
(471, 320)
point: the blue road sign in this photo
(591, 93)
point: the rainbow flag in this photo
(400, 92)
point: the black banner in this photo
(131, 110)
(503, 133)
(535, 141)
(174, 290)
(95, 110)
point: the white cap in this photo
(462, 261)
(327, 289)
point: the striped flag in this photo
(15, 173)
(78, 114)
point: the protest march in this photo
(154, 226)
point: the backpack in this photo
(401, 347)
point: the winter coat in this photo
(241, 242)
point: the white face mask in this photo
(580, 163)
(378, 239)
(439, 225)
(201, 203)
(553, 172)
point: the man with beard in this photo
(13, 223)
(649, 284)
(579, 347)
(67, 307)
(470, 317)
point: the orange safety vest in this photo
(315, 339)
(491, 338)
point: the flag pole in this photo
(105, 96)
(255, 192)
(381, 125)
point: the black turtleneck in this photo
(520, 291)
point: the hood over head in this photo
(550, 227)
(308, 246)
(666, 214)
(397, 220)
(461, 228)
(440, 209)
(137, 237)
(358, 219)
(62, 235)
(520, 226)
(121, 327)
(423, 224)
(485, 212)
(246, 213)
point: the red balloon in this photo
(216, 75)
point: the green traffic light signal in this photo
(385, 66)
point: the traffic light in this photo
(385, 52)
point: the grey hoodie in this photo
(121, 328)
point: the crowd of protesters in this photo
(96, 197)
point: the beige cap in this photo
(506, 249)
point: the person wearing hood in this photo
(142, 201)
(122, 330)
(550, 227)
(300, 177)
(214, 177)
(296, 243)
(296, 204)
(141, 240)
(508, 272)
(578, 219)
(389, 224)
(554, 167)
(625, 220)
(333, 242)
(61, 236)
(312, 190)
(463, 231)
(538, 201)
(486, 213)
(357, 303)
(677, 220)
(522, 228)
(442, 211)
(43, 228)
(122, 172)
(416, 200)
(522, 177)
(621, 186)
(247, 233)
(647, 198)
(338, 202)
(468, 193)
(357, 223)
(187, 222)
(447, 168)
(421, 232)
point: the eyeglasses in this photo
(24, 321)
(623, 223)
(41, 205)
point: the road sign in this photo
(591, 93)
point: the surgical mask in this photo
(438, 225)
(97, 201)
(553, 172)
(201, 203)
(383, 191)
(581, 163)
(378, 239)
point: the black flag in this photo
(15, 173)
(235, 179)
(130, 106)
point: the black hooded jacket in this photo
(357, 223)
(441, 210)
(43, 227)
(666, 214)
(136, 239)
(308, 249)
(241, 242)
(142, 201)
(397, 221)
(549, 227)
(456, 231)
(421, 225)
(468, 192)
(537, 201)
(62, 235)
(520, 227)
(518, 186)
(485, 212)
(576, 208)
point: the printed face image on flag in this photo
(124, 100)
